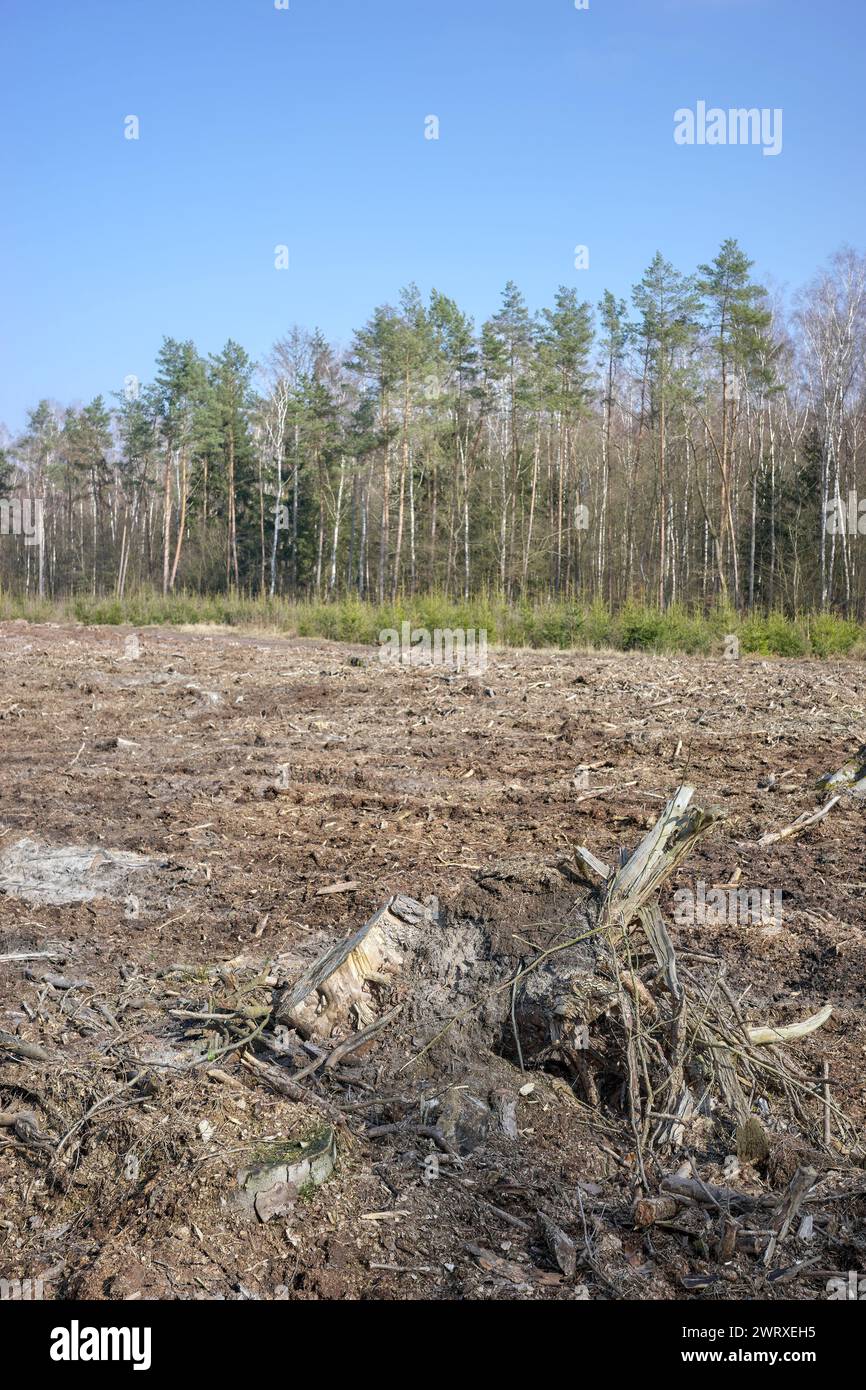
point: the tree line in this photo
(701, 442)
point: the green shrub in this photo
(684, 632)
(561, 623)
(773, 635)
(830, 635)
(598, 625)
(640, 628)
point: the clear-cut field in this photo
(254, 773)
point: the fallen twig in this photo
(789, 1032)
(10, 1043)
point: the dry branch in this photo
(10, 1043)
(850, 780)
(803, 822)
(671, 839)
(790, 1031)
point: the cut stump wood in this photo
(333, 993)
(272, 1186)
(671, 839)
(647, 1210)
(559, 1001)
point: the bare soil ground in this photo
(253, 773)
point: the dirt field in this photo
(254, 773)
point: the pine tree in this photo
(566, 343)
(667, 304)
(232, 402)
(613, 341)
(738, 319)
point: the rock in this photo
(464, 1120)
(503, 1103)
(561, 1247)
(277, 1201)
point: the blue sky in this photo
(305, 127)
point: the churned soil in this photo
(201, 789)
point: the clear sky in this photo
(305, 127)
